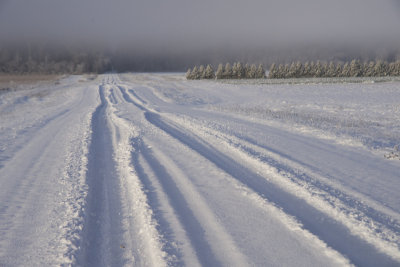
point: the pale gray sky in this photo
(157, 26)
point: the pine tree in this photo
(392, 69)
(331, 71)
(209, 72)
(380, 68)
(273, 71)
(319, 72)
(247, 71)
(370, 70)
(281, 71)
(260, 73)
(339, 70)
(364, 68)
(220, 72)
(252, 72)
(228, 71)
(234, 71)
(296, 70)
(189, 74)
(386, 68)
(292, 71)
(324, 69)
(195, 73)
(299, 69)
(397, 68)
(202, 72)
(286, 70)
(307, 70)
(355, 68)
(240, 71)
(346, 70)
(312, 72)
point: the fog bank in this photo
(178, 33)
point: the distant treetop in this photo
(236, 71)
(327, 70)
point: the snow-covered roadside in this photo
(359, 114)
(44, 144)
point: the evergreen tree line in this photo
(42, 60)
(237, 71)
(349, 69)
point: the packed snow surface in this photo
(154, 170)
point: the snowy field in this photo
(154, 170)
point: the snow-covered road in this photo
(154, 170)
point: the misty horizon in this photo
(178, 34)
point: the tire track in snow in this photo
(112, 97)
(379, 228)
(354, 247)
(358, 173)
(193, 214)
(326, 228)
(141, 241)
(118, 226)
(100, 244)
(286, 165)
(148, 169)
(207, 237)
(365, 210)
(147, 113)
